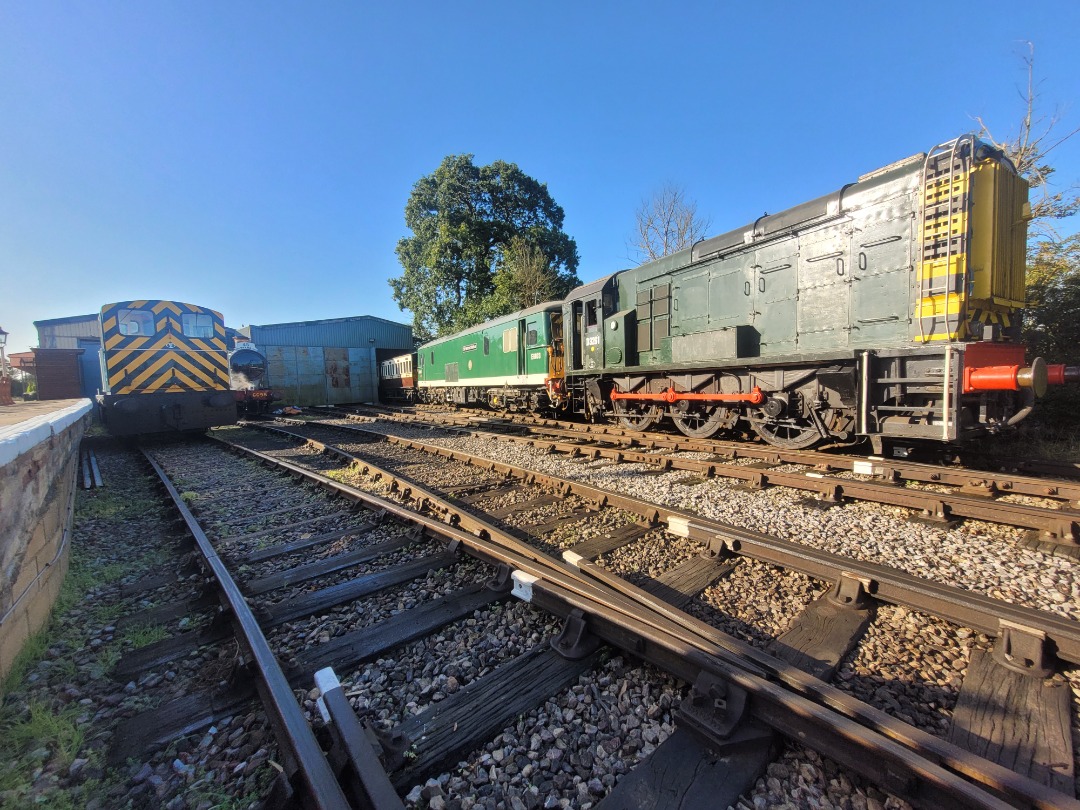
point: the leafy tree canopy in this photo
(1052, 324)
(458, 265)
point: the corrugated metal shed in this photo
(357, 332)
(59, 373)
(328, 362)
(64, 333)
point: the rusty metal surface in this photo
(295, 734)
(59, 373)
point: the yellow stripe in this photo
(173, 381)
(935, 306)
(189, 383)
(150, 371)
(124, 362)
(941, 336)
(936, 268)
(161, 306)
(208, 379)
(214, 363)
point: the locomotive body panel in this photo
(886, 282)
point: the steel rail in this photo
(802, 708)
(805, 684)
(957, 605)
(1060, 526)
(926, 770)
(294, 731)
(986, 482)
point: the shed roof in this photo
(69, 319)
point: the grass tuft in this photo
(143, 636)
(40, 726)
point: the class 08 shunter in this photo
(164, 368)
(887, 311)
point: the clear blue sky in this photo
(256, 157)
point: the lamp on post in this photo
(5, 380)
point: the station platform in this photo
(39, 460)
(25, 424)
(24, 411)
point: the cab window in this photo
(135, 322)
(197, 325)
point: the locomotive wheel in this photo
(703, 422)
(637, 416)
(788, 433)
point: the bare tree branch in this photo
(665, 223)
(1028, 153)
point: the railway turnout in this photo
(306, 563)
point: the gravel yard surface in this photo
(568, 752)
(61, 706)
(975, 555)
(908, 664)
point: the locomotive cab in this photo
(586, 309)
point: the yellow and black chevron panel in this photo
(973, 240)
(157, 346)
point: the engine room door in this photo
(592, 333)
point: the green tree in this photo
(1052, 319)
(525, 277)
(464, 219)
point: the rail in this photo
(294, 732)
(926, 769)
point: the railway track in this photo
(562, 589)
(1046, 507)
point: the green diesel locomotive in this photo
(887, 311)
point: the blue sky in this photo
(256, 157)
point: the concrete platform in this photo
(23, 411)
(39, 460)
(26, 424)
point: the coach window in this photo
(135, 322)
(197, 325)
(510, 340)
